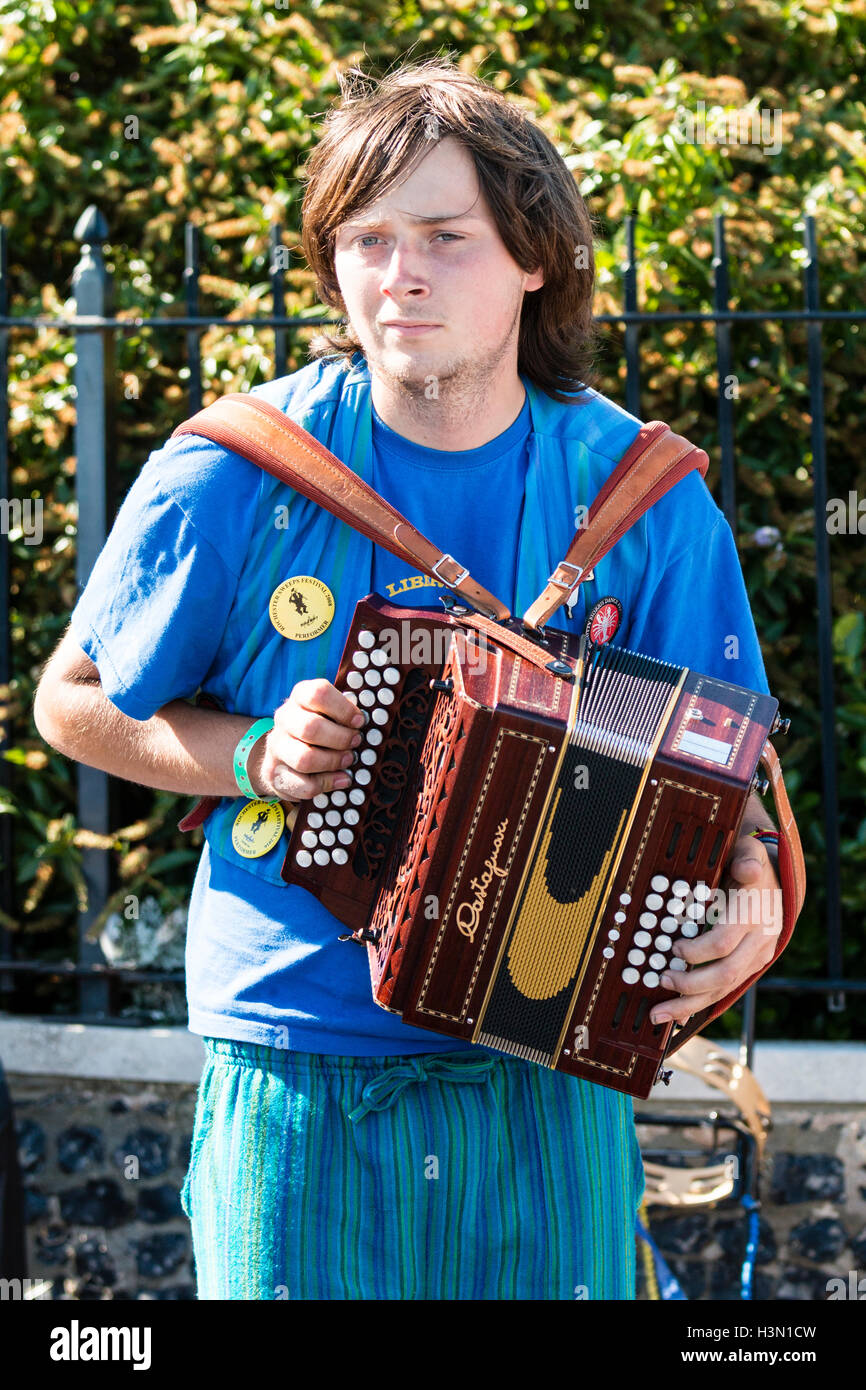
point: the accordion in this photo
(533, 819)
(518, 851)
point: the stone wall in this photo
(103, 1162)
(102, 1166)
(812, 1219)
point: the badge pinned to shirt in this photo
(603, 620)
(301, 607)
(257, 828)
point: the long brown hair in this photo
(376, 134)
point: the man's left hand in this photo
(737, 947)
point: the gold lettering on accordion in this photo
(468, 915)
(538, 971)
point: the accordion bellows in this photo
(519, 851)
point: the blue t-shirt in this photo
(178, 600)
(480, 489)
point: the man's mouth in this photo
(412, 328)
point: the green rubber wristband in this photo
(770, 840)
(242, 753)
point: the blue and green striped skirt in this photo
(464, 1175)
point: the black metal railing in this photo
(95, 326)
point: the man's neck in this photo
(456, 420)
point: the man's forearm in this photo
(182, 748)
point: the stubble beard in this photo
(449, 388)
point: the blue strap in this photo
(383, 1090)
(668, 1286)
(751, 1208)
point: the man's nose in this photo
(406, 272)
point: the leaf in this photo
(173, 860)
(849, 632)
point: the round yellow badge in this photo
(257, 828)
(301, 607)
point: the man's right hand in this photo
(304, 754)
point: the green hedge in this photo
(228, 97)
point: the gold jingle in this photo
(690, 1187)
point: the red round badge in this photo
(603, 620)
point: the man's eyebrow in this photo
(412, 217)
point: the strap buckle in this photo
(579, 576)
(450, 584)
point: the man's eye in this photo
(370, 237)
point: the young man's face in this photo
(453, 272)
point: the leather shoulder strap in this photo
(260, 432)
(792, 878)
(652, 464)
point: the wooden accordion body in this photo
(521, 852)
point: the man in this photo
(338, 1153)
